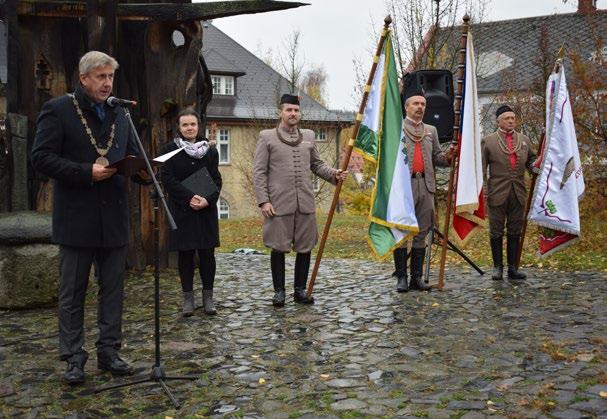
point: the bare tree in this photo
(291, 63)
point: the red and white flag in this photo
(560, 184)
(469, 200)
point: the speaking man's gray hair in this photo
(95, 59)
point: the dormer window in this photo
(223, 85)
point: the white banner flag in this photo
(560, 184)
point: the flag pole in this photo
(349, 147)
(454, 160)
(519, 254)
(557, 66)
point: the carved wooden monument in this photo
(158, 46)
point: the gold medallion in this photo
(102, 161)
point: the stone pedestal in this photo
(29, 263)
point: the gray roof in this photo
(510, 49)
(258, 90)
(3, 45)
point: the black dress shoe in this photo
(515, 274)
(113, 364)
(401, 284)
(417, 283)
(74, 374)
(279, 298)
(301, 297)
(498, 274)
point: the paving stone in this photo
(567, 414)
(361, 347)
(473, 415)
(348, 404)
(594, 406)
(466, 405)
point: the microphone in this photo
(114, 101)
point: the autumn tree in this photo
(314, 82)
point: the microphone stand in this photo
(157, 374)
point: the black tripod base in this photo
(156, 376)
(454, 248)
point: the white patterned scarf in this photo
(195, 150)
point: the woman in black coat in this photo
(195, 216)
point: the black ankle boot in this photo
(302, 266)
(400, 269)
(512, 253)
(277, 264)
(497, 247)
(417, 268)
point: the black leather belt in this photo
(417, 175)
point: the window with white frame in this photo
(223, 209)
(322, 134)
(222, 136)
(223, 85)
(223, 146)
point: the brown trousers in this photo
(509, 213)
(295, 231)
(424, 211)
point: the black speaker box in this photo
(438, 90)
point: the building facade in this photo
(246, 93)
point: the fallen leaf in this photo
(435, 305)
(325, 376)
(262, 381)
(603, 394)
(585, 357)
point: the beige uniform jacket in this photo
(499, 176)
(282, 173)
(430, 148)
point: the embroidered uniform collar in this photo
(412, 122)
(289, 138)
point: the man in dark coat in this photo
(77, 137)
(506, 155)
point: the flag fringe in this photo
(558, 248)
(386, 255)
(551, 226)
(365, 155)
(384, 223)
(464, 242)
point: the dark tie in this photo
(100, 111)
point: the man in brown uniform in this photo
(506, 155)
(285, 159)
(424, 152)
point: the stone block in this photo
(29, 276)
(29, 264)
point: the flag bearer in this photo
(424, 152)
(285, 159)
(506, 155)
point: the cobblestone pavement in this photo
(478, 349)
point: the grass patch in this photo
(347, 239)
(578, 398)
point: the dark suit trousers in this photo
(510, 213)
(75, 267)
